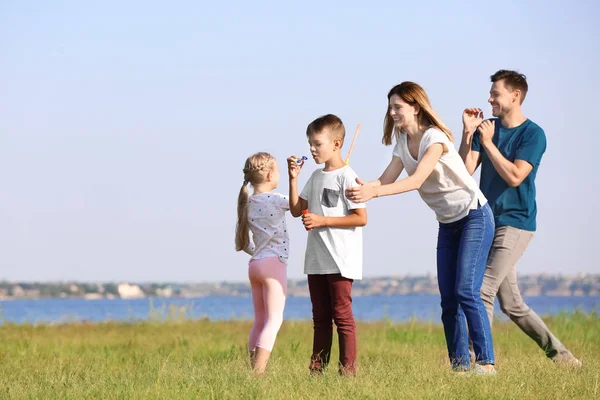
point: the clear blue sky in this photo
(124, 126)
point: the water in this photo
(366, 308)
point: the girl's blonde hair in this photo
(413, 94)
(255, 170)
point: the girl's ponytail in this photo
(242, 234)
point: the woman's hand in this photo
(362, 193)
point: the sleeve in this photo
(396, 152)
(251, 247)
(476, 143)
(305, 194)
(282, 201)
(348, 181)
(434, 136)
(532, 146)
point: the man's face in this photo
(502, 99)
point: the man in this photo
(509, 149)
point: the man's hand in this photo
(486, 131)
(472, 118)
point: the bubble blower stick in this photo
(352, 144)
(306, 212)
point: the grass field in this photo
(184, 359)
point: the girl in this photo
(263, 213)
(466, 225)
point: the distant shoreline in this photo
(531, 285)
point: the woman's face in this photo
(402, 113)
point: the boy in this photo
(333, 256)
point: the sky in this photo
(124, 126)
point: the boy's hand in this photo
(293, 167)
(312, 221)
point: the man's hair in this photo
(512, 81)
(329, 121)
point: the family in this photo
(483, 229)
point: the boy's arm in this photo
(297, 204)
(356, 218)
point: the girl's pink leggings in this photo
(269, 287)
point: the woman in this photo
(466, 225)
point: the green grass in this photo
(183, 359)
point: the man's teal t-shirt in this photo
(514, 207)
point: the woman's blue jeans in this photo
(462, 252)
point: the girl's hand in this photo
(312, 221)
(293, 167)
(362, 193)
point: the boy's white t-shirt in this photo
(333, 250)
(266, 217)
(450, 191)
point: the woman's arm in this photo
(391, 173)
(432, 155)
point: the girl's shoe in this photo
(252, 354)
(260, 360)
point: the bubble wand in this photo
(352, 144)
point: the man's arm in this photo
(472, 118)
(512, 173)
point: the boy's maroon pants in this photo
(331, 298)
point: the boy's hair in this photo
(255, 169)
(412, 93)
(512, 81)
(329, 121)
